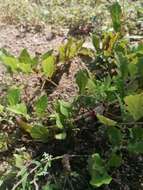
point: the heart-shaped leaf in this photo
(97, 170)
(13, 96)
(49, 66)
(106, 121)
(134, 105)
(19, 109)
(41, 105)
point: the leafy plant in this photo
(70, 49)
(41, 105)
(116, 13)
(98, 172)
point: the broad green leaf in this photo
(122, 64)
(25, 57)
(49, 66)
(41, 105)
(115, 160)
(106, 121)
(19, 109)
(26, 68)
(96, 42)
(71, 49)
(3, 53)
(13, 96)
(137, 133)
(65, 108)
(11, 62)
(116, 13)
(91, 86)
(134, 105)
(82, 80)
(97, 170)
(133, 70)
(40, 133)
(59, 121)
(136, 147)
(115, 136)
(62, 53)
(60, 136)
(20, 159)
(37, 132)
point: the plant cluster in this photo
(111, 81)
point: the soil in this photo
(38, 41)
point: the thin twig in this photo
(52, 82)
(35, 184)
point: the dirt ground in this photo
(38, 40)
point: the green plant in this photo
(119, 85)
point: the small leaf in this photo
(19, 109)
(134, 105)
(137, 133)
(106, 121)
(65, 108)
(60, 136)
(82, 80)
(40, 133)
(13, 96)
(23, 125)
(115, 136)
(115, 160)
(59, 121)
(136, 147)
(96, 42)
(11, 62)
(41, 105)
(49, 66)
(26, 68)
(97, 170)
(116, 13)
(20, 159)
(25, 57)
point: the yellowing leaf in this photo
(134, 105)
(48, 66)
(23, 125)
(106, 121)
(40, 133)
